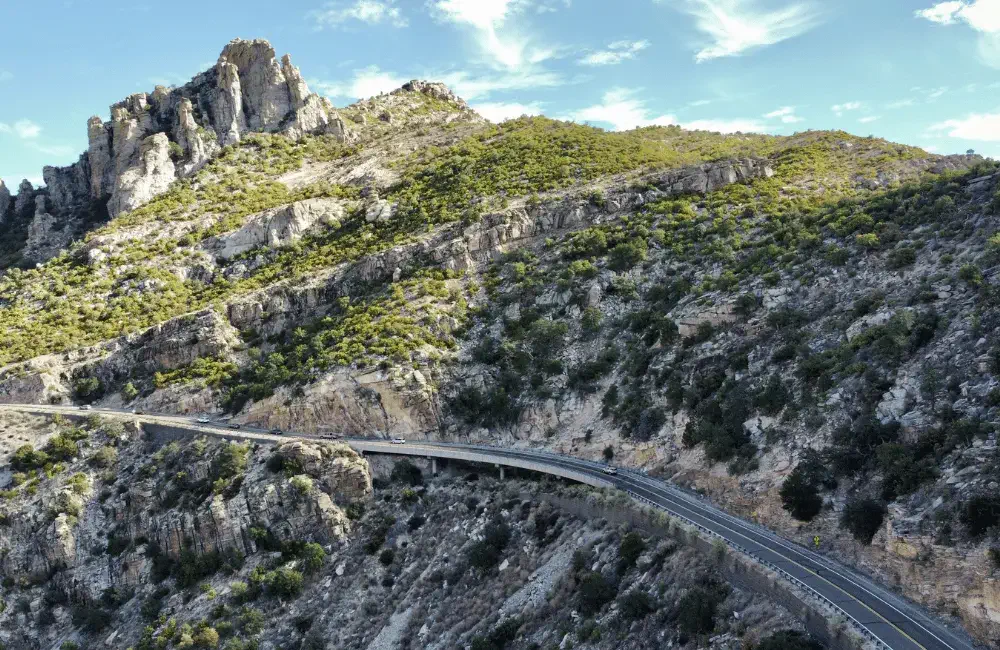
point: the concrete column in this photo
(434, 466)
(503, 475)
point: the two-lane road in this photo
(885, 618)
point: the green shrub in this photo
(696, 611)
(800, 495)
(788, 640)
(486, 553)
(980, 513)
(593, 592)
(404, 471)
(630, 548)
(862, 517)
(635, 604)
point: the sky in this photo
(920, 72)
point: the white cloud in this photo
(840, 109)
(903, 103)
(499, 111)
(505, 46)
(976, 126)
(472, 86)
(367, 82)
(736, 26)
(983, 16)
(27, 129)
(869, 119)
(725, 126)
(786, 114)
(24, 129)
(937, 92)
(615, 53)
(373, 12)
(6, 75)
(622, 110)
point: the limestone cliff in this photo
(155, 138)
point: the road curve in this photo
(885, 618)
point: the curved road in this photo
(885, 618)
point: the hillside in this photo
(802, 327)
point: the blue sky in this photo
(922, 72)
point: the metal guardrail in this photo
(871, 636)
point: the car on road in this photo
(86, 407)
(610, 471)
(234, 425)
(276, 431)
(203, 420)
(397, 441)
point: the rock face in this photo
(278, 227)
(5, 202)
(154, 138)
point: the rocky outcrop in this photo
(150, 176)
(278, 226)
(154, 138)
(338, 468)
(197, 144)
(6, 201)
(25, 197)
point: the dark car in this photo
(276, 431)
(234, 425)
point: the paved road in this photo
(885, 618)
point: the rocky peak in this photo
(128, 159)
(434, 89)
(5, 201)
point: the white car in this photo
(610, 471)
(397, 441)
(203, 420)
(86, 407)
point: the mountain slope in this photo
(798, 325)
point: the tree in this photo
(696, 612)
(631, 547)
(609, 453)
(800, 495)
(863, 517)
(594, 592)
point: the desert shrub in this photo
(630, 548)
(499, 637)
(486, 553)
(862, 517)
(788, 640)
(980, 513)
(593, 592)
(696, 611)
(635, 604)
(386, 557)
(773, 396)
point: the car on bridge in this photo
(86, 407)
(203, 420)
(235, 425)
(610, 471)
(397, 441)
(276, 431)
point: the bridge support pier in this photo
(503, 474)
(434, 466)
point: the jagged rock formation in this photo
(5, 202)
(278, 227)
(154, 138)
